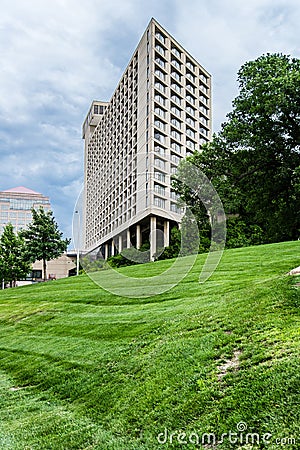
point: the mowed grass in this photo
(85, 369)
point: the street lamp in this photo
(78, 241)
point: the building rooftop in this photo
(22, 190)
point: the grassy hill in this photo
(85, 369)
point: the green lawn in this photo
(84, 369)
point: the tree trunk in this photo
(45, 269)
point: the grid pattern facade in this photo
(111, 163)
(159, 113)
(15, 208)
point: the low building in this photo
(61, 267)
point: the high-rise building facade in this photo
(159, 113)
(16, 205)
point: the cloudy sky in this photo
(58, 55)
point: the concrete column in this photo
(128, 238)
(106, 251)
(120, 243)
(112, 248)
(166, 233)
(152, 237)
(138, 236)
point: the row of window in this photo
(161, 203)
(179, 112)
(177, 77)
(178, 136)
(175, 99)
(162, 62)
(176, 88)
(176, 53)
(179, 125)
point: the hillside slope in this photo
(85, 369)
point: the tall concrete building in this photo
(16, 205)
(159, 113)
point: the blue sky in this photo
(59, 55)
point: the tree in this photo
(14, 262)
(254, 161)
(43, 238)
(172, 251)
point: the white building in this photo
(159, 113)
(16, 205)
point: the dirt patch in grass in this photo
(231, 364)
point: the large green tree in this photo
(14, 261)
(43, 239)
(254, 161)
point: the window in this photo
(97, 109)
(160, 49)
(176, 99)
(203, 120)
(175, 122)
(190, 65)
(159, 202)
(203, 109)
(159, 124)
(176, 52)
(190, 88)
(176, 87)
(203, 99)
(174, 208)
(176, 75)
(191, 99)
(204, 131)
(190, 133)
(160, 137)
(160, 61)
(175, 159)
(190, 144)
(203, 78)
(160, 74)
(191, 110)
(159, 176)
(161, 190)
(36, 274)
(160, 112)
(176, 111)
(160, 99)
(190, 121)
(159, 163)
(173, 170)
(190, 76)
(160, 86)
(160, 37)
(176, 135)
(160, 150)
(176, 64)
(176, 147)
(174, 196)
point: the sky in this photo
(57, 56)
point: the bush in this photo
(131, 256)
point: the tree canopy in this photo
(43, 239)
(254, 161)
(14, 261)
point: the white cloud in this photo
(57, 56)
